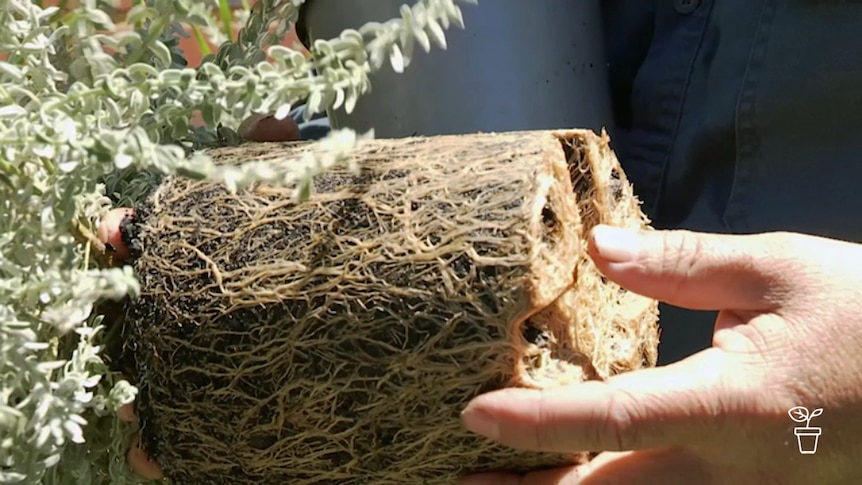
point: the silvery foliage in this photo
(79, 104)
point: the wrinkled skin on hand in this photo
(789, 333)
(258, 128)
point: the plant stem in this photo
(153, 34)
(226, 18)
(203, 45)
(95, 247)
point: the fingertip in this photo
(266, 128)
(109, 233)
(140, 462)
(689, 269)
(612, 244)
(512, 417)
(126, 413)
(481, 423)
(494, 404)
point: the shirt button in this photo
(686, 6)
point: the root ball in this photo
(337, 340)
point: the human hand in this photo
(265, 127)
(110, 236)
(788, 334)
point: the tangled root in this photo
(338, 339)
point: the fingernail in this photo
(615, 244)
(480, 423)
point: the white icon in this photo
(806, 436)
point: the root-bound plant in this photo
(336, 340)
(295, 314)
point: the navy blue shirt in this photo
(738, 116)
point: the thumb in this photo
(696, 270)
(681, 403)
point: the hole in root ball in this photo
(580, 171)
(550, 223)
(537, 336)
(549, 217)
(616, 186)
(575, 152)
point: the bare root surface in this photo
(337, 340)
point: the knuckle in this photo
(779, 246)
(681, 255)
(618, 430)
(545, 435)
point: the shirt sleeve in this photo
(315, 128)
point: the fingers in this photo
(667, 465)
(695, 270)
(683, 403)
(110, 233)
(137, 458)
(266, 128)
(127, 413)
(140, 462)
(664, 465)
(556, 476)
